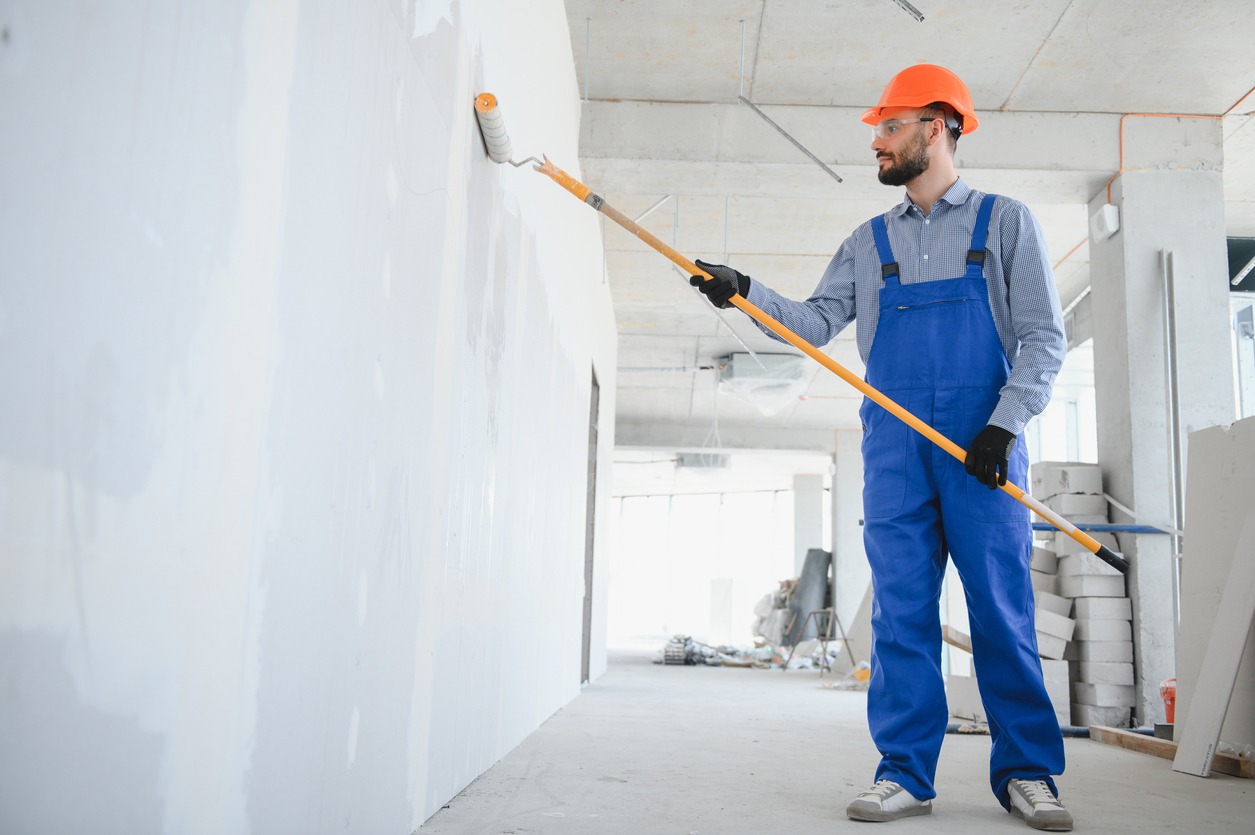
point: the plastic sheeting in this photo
(769, 383)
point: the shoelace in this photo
(882, 789)
(1038, 792)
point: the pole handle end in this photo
(1112, 559)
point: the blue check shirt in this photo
(1022, 294)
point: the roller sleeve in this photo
(492, 125)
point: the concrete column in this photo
(1170, 198)
(808, 517)
(852, 575)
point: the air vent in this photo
(703, 460)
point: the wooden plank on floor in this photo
(1201, 732)
(1143, 744)
(1167, 749)
(955, 638)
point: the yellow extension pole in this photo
(585, 194)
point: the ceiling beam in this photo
(692, 437)
(726, 148)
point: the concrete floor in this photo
(698, 750)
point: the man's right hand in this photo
(723, 284)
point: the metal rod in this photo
(741, 91)
(719, 315)
(735, 335)
(1114, 502)
(726, 198)
(1079, 298)
(911, 10)
(650, 211)
(675, 225)
(1168, 266)
(786, 135)
(1178, 464)
(675, 233)
(1105, 527)
(1242, 273)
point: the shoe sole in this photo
(1044, 825)
(872, 816)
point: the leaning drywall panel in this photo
(293, 447)
(1219, 484)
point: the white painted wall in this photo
(293, 433)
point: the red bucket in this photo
(1168, 692)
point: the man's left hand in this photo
(989, 455)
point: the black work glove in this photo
(989, 455)
(723, 284)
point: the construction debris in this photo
(683, 650)
(796, 629)
(781, 617)
(772, 614)
(856, 679)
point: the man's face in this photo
(903, 156)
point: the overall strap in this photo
(888, 266)
(976, 254)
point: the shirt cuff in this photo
(1010, 415)
(758, 295)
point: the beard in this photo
(907, 164)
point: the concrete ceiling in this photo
(1050, 80)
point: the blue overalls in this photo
(936, 353)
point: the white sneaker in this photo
(886, 801)
(1036, 803)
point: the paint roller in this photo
(492, 127)
(497, 142)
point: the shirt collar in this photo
(956, 195)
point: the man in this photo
(975, 356)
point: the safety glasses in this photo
(890, 127)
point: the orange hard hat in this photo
(924, 84)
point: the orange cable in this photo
(1071, 251)
(1239, 101)
(1161, 115)
(1122, 169)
